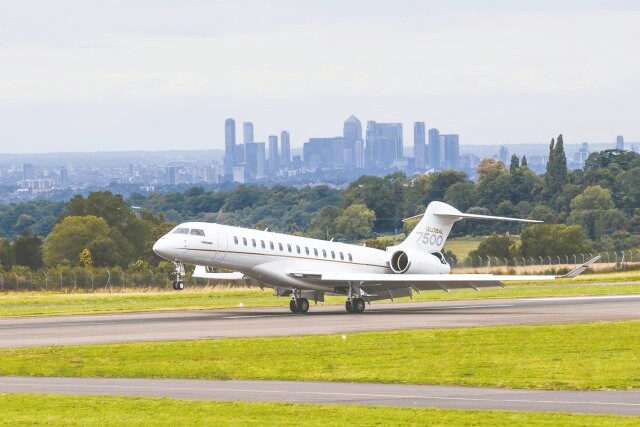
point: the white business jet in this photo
(305, 268)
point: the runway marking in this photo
(460, 307)
(595, 297)
(251, 316)
(320, 393)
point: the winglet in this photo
(576, 271)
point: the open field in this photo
(462, 246)
(603, 355)
(50, 410)
(55, 303)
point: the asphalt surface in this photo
(595, 402)
(278, 321)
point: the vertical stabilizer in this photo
(432, 230)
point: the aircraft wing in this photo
(445, 282)
(201, 272)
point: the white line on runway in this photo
(320, 393)
(586, 298)
(249, 316)
(468, 306)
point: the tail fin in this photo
(433, 229)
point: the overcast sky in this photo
(83, 75)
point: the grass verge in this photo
(53, 410)
(54, 303)
(603, 355)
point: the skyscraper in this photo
(434, 149)
(255, 159)
(451, 151)
(285, 150)
(351, 133)
(384, 144)
(28, 171)
(229, 147)
(419, 145)
(247, 132)
(619, 142)
(273, 155)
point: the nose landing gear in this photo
(178, 284)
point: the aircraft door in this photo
(222, 245)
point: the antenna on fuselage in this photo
(266, 229)
(331, 239)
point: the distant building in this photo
(359, 154)
(239, 154)
(64, 177)
(239, 174)
(619, 142)
(351, 132)
(322, 153)
(296, 163)
(503, 155)
(419, 147)
(451, 151)
(582, 154)
(274, 155)
(170, 175)
(229, 147)
(285, 150)
(255, 160)
(28, 171)
(384, 144)
(435, 149)
(247, 132)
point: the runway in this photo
(595, 402)
(278, 321)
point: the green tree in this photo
(554, 240)
(324, 224)
(6, 254)
(496, 245)
(72, 235)
(595, 211)
(556, 176)
(461, 195)
(356, 222)
(85, 258)
(27, 251)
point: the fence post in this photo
(60, 274)
(46, 280)
(2, 281)
(17, 280)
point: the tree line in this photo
(594, 208)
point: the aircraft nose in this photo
(160, 248)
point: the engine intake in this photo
(418, 262)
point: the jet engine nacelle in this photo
(411, 261)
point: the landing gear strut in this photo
(178, 284)
(354, 304)
(297, 303)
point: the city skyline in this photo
(98, 76)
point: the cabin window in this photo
(306, 250)
(315, 252)
(297, 248)
(244, 241)
(289, 248)
(262, 244)
(253, 242)
(280, 247)
(273, 248)
(181, 231)
(196, 232)
(341, 257)
(235, 239)
(333, 255)
(324, 253)
(350, 258)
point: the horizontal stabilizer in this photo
(460, 215)
(202, 273)
(573, 273)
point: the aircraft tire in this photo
(293, 306)
(303, 305)
(358, 305)
(349, 307)
(180, 285)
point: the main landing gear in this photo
(297, 303)
(355, 305)
(178, 284)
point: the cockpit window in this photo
(196, 232)
(181, 231)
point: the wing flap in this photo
(201, 272)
